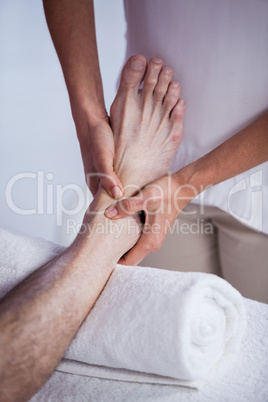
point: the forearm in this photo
(72, 27)
(245, 150)
(40, 317)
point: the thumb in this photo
(103, 163)
(111, 183)
(124, 208)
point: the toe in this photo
(177, 116)
(133, 72)
(151, 77)
(172, 96)
(161, 88)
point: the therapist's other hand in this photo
(161, 201)
(97, 148)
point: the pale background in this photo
(36, 127)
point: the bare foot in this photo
(147, 123)
(147, 126)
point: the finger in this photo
(111, 183)
(136, 254)
(152, 237)
(147, 244)
(108, 178)
(94, 185)
(91, 178)
(126, 207)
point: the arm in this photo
(245, 150)
(40, 316)
(72, 27)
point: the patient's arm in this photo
(39, 318)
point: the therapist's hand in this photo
(161, 202)
(97, 148)
(245, 150)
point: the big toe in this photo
(133, 72)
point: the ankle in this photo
(116, 236)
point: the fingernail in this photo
(136, 63)
(117, 192)
(111, 212)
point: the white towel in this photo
(245, 381)
(171, 324)
(164, 323)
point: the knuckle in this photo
(153, 245)
(177, 115)
(169, 99)
(151, 193)
(158, 243)
(158, 95)
(150, 82)
(129, 205)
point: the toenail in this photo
(157, 60)
(117, 192)
(136, 63)
(181, 102)
(167, 71)
(175, 84)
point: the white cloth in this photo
(246, 381)
(172, 324)
(219, 53)
(186, 326)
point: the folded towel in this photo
(163, 323)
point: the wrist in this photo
(85, 109)
(187, 185)
(197, 176)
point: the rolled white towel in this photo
(148, 325)
(171, 324)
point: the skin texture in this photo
(171, 194)
(72, 22)
(40, 316)
(72, 27)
